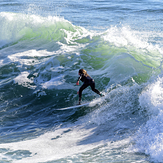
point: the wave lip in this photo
(20, 27)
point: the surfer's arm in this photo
(77, 83)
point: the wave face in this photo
(39, 61)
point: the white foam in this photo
(28, 57)
(53, 145)
(23, 80)
(149, 138)
(98, 101)
(152, 97)
(126, 37)
(54, 82)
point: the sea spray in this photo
(148, 138)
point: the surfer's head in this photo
(82, 71)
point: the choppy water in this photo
(43, 44)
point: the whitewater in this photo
(43, 44)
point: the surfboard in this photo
(76, 106)
(90, 104)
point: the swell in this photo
(40, 58)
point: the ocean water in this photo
(43, 44)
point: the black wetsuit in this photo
(88, 81)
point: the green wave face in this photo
(42, 44)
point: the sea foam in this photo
(149, 138)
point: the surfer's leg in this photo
(80, 91)
(94, 89)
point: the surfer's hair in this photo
(84, 72)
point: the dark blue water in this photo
(43, 44)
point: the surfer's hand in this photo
(77, 83)
(78, 92)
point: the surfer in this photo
(88, 81)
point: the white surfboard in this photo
(90, 104)
(76, 106)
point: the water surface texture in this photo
(43, 44)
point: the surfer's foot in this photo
(79, 103)
(102, 95)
